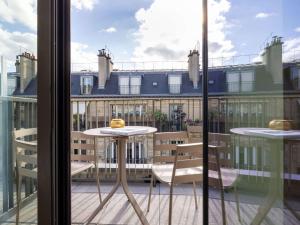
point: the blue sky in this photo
(157, 30)
(249, 25)
(89, 26)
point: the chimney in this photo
(26, 66)
(105, 67)
(272, 59)
(193, 66)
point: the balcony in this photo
(254, 176)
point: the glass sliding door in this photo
(18, 112)
(253, 112)
(138, 61)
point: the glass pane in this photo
(254, 115)
(18, 112)
(144, 59)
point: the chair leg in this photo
(150, 192)
(237, 200)
(19, 186)
(195, 194)
(223, 206)
(98, 184)
(170, 204)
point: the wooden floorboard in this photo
(119, 211)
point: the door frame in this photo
(53, 94)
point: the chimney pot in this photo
(193, 66)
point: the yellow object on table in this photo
(117, 123)
(280, 124)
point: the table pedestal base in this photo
(275, 191)
(121, 181)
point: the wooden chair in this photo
(84, 156)
(164, 156)
(195, 134)
(221, 173)
(187, 169)
(225, 154)
(25, 149)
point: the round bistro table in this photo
(275, 139)
(121, 170)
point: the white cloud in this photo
(84, 4)
(297, 29)
(14, 43)
(110, 30)
(291, 49)
(263, 15)
(168, 33)
(82, 58)
(15, 11)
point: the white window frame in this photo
(240, 82)
(124, 83)
(233, 85)
(135, 85)
(175, 87)
(84, 86)
(247, 83)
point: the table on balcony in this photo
(276, 140)
(121, 170)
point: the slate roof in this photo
(217, 83)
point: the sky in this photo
(158, 30)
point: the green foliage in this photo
(159, 116)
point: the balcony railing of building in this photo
(225, 113)
(167, 65)
(235, 60)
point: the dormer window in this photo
(247, 81)
(233, 81)
(240, 81)
(124, 85)
(296, 78)
(130, 85)
(135, 85)
(86, 84)
(174, 83)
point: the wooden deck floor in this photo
(119, 211)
